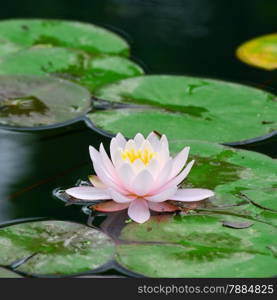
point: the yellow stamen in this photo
(145, 155)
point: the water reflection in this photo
(34, 164)
(14, 162)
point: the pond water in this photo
(189, 37)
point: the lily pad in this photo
(198, 246)
(260, 52)
(5, 273)
(229, 172)
(54, 247)
(232, 174)
(73, 65)
(7, 47)
(69, 34)
(32, 101)
(265, 198)
(187, 108)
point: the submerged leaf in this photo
(31, 101)
(54, 247)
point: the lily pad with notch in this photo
(26, 33)
(35, 101)
(198, 246)
(187, 108)
(229, 172)
(54, 248)
(264, 198)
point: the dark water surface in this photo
(193, 37)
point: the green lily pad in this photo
(198, 246)
(187, 108)
(5, 273)
(7, 47)
(266, 198)
(76, 66)
(260, 52)
(69, 34)
(247, 211)
(31, 101)
(54, 247)
(229, 172)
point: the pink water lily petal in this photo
(163, 177)
(117, 142)
(107, 180)
(192, 194)
(164, 141)
(139, 139)
(117, 158)
(162, 207)
(147, 145)
(97, 160)
(162, 196)
(110, 206)
(153, 167)
(178, 179)
(106, 161)
(139, 211)
(95, 181)
(126, 175)
(130, 145)
(114, 147)
(142, 183)
(102, 173)
(88, 193)
(154, 141)
(164, 150)
(137, 166)
(179, 161)
(119, 198)
(121, 141)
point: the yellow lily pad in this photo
(260, 52)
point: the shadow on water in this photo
(34, 163)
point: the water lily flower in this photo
(140, 175)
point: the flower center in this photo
(145, 155)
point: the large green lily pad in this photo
(198, 246)
(70, 64)
(5, 273)
(31, 101)
(54, 247)
(69, 34)
(260, 52)
(187, 108)
(264, 198)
